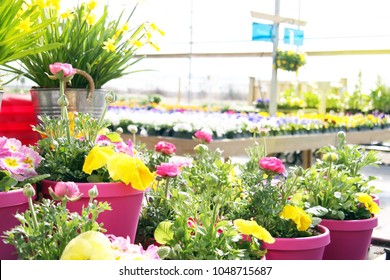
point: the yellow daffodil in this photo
(92, 5)
(109, 45)
(41, 3)
(53, 3)
(136, 43)
(25, 25)
(90, 19)
(97, 158)
(68, 14)
(369, 204)
(90, 245)
(252, 228)
(298, 215)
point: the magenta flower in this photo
(165, 148)
(203, 136)
(66, 68)
(13, 163)
(68, 190)
(272, 164)
(168, 169)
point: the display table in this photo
(306, 143)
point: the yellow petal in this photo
(97, 158)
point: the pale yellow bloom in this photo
(41, 3)
(25, 25)
(297, 215)
(92, 4)
(90, 245)
(68, 14)
(90, 19)
(252, 228)
(136, 43)
(53, 3)
(109, 45)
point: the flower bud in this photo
(63, 101)
(330, 157)
(341, 139)
(28, 190)
(201, 148)
(110, 97)
(93, 192)
(211, 180)
(119, 130)
(133, 129)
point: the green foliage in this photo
(380, 97)
(334, 182)
(16, 43)
(56, 226)
(289, 60)
(84, 44)
(196, 204)
(311, 99)
(64, 160)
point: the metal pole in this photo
(190, 54)
(274, 79)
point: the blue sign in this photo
(262, 32)
(293, 36)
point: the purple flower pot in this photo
(303, 248)
(349, 239)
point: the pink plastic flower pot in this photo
(304, 248)
(125, 202)
(11, 202)
(349, 239)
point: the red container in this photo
(17, 117)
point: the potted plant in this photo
(337, 192)
(18, 165)
(19, 30)
(78, 148)
(197, 197)
(289, 60)
(266, 191)
(92, 42)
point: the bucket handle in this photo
(91, 83)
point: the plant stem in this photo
(34, 215)
(64, 109)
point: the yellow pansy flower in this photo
(369, 204)
(97, 158)
(90, 245)
(252, 228)
(128, 169)
(109, 45)
(297, 215)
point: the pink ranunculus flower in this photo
(272, 164)
(166, 148)
(203, 136)
(65, 67)
(168, 169)
(66, 189)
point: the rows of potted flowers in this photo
(232, 124)
(198, 207)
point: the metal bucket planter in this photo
(45, 101)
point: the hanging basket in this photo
(289, 60)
